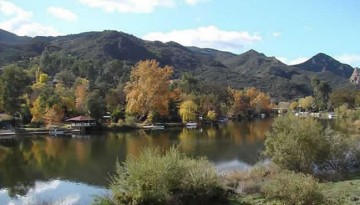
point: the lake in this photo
(68, 170)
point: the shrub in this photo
(301, 144)
(295, 143)
(343, 152)
(130, 120)
(155, 178)
(294, 188)
(250, 181)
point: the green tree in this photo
(65, 77)
(67, 97)
(96, 104)
(295, 143)
(15, 83)
(115, 102)
(322, 91)
(342, 96)
(188, 83)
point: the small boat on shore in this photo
(7, 134)
(191, 125)
(156, 126)
(56, 132)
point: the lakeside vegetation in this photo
(148, 94)
(309, 164)
(302, 151)
(42, 95)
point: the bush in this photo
(294, 188)
(295, 143)
(250, 181)
(172, 178)
(301, 144)
(343, 152)
(130, 120)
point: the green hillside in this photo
(105, 58)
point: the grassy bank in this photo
(269, 184)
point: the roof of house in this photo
(80, 119)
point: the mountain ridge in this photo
(250, 68)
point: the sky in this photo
(292, 31)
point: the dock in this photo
(4, 135)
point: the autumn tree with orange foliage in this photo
(240, 102)
(262, 103)
(53, 115)
(148, 90)
(81, 93)
(247, 100)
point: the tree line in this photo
(53, 87)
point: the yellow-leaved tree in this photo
(148, 90)
(239, 103)
(294, 105)
(81, 93)
(188, 110)
(53, 116)
(306, 102)
(211, 115)
(262, 102)
(37, 111)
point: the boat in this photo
(332, 116)
(191, 125)
(156, 126)
(7, 134)
(56, 132)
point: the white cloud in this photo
(276, 34)
(56, 192)
(193, 2)
(351, 59)
(292, 61)
(135, 6)
(128, 6)
(63, 14)
(207, 37)
(18, 20)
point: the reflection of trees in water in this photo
(14, 172)
(248, 132)
(48, 158)
(147, 138)
(187, 140)
(211, 132)
(22, 162)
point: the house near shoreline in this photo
(81, 123)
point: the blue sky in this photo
(292, 32)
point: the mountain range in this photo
(252, 68)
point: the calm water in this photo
(73, 170)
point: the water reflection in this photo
(91, 160)
(55, 192)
